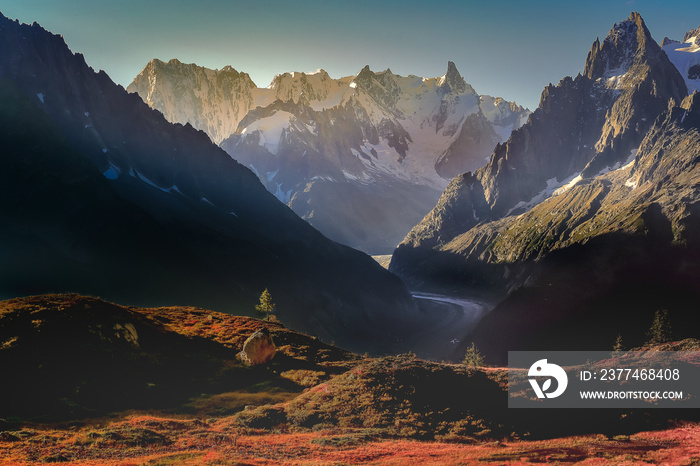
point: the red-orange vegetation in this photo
(160, 441)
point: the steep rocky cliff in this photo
(583, 127)
(598, 260)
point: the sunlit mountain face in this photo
(362, 158)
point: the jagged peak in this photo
(294, 76)
(635, 17)
(626, 42)
(35, 29)
(668, 41)
(319, 72)
(692, 36)
(172, 63)
(365, 76)
(452, 80)
(626, 33)
(229, 69)
(300, 74)
(387, 77)
(155, 64)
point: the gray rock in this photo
(259, 348)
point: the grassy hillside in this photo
(73, 356)
(90, 382)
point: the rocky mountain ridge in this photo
(595, 193)
(215, 101)
(373, 150)
(582, 127)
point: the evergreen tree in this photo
(660, 330)
(618, 347)
(473, 357)
(266, 305)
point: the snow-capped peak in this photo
(693, 36)
(685, 57)
(428, 113)
(452, 81)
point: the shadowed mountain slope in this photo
(103, 196)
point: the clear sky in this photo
(502, 48)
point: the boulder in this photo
(259, 348)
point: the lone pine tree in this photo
(266, 306)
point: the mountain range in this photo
(586, 220)
(582, 224)
(99, 194)
(362, 158)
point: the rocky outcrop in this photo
(259, 348)
(693, 36)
